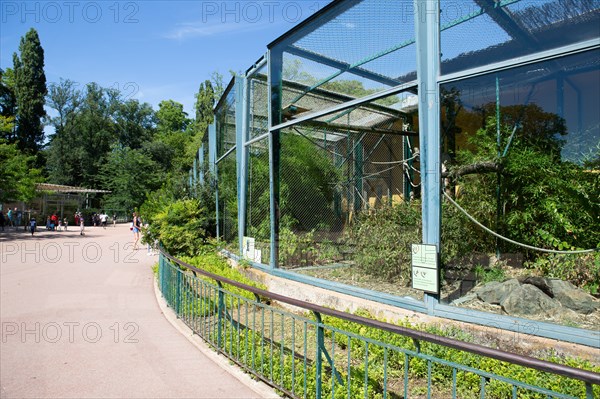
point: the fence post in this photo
(318, 360)
(161, 274)
(220, 311)
(178, 292)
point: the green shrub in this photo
(581, 270)
(382, 239)
(487, 274)
(211, 262)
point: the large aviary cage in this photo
(367, 126)
(331, 168)
(226, 168)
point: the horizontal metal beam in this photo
(229, 151)
(257, 138)
(523, 60)
(262, 61)
(353, 103)
(309, 55)
(360, 129)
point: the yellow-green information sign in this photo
(425, 268)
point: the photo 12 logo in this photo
(89, 252)
(258, 11)
(70, 11)
(69, 332)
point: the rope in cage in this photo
(553, 251)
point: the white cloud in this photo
(203, 29)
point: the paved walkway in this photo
(79, 319)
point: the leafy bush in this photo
(183, 227)
(211, 262)
(382, 239)
(485, 275)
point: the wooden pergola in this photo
(59, 195)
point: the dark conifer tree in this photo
(30, 92)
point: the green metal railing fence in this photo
(343, 355)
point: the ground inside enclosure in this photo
(80, 319)
(467, 291)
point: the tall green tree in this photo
(8, 105)
(130, 175)
(171, 117)
(66, 99)
(30, 91)
(134, 123)
(175, 131)
(205, 100)
(17, 174)
(217, 84)
(85, 130)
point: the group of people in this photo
(11, 219)
(96, 219)
(55, 223)
(101, 219)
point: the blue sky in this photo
(150, 50)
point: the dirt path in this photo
(79, 319)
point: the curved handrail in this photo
(526, 361)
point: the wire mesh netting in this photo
(228, 202)
(227, 170)
(350, 56)
(522, 148)
(352, 37)
(258, 216)
(258, 206)
(258, 99)
(225, 122)
(339, 176)
(480, 32)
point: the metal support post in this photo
(427, 29)
(275, 63)
(241, 129)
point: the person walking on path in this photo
(32, 225)
(81, 226)
(9, 215)
(136, 225)
(17, 216)
(103, 219)
(2, 220)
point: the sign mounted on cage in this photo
(425, 268)
(248, 248)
